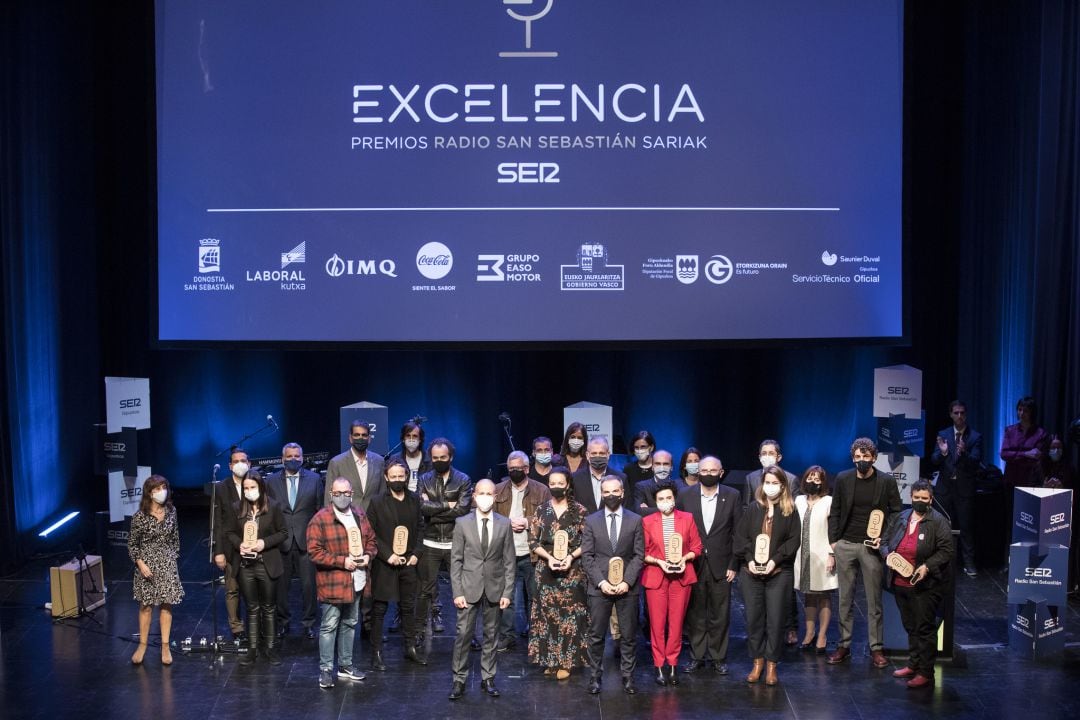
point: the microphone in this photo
(270, 419)
(418, 419)
(504, 416)
(942, 509)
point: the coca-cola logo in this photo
(434, 260)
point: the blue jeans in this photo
(524, 592)
(346, 615)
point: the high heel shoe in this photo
(166, 655)
(137, 657)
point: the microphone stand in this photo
(240, 443)
(506, 429)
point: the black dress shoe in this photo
(628, 686)
(661, 678)
(377, 661)
(411, 654)
(692, 666)
(672, 676)
(594, 685)
(310, 633)
(437, 623)
(457, 690)
(283, 630)
(721, 668)
(474, 644)
(488, 686)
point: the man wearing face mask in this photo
(482, 578)
(412, 453)
(517, 498)
(858, 492)
(299, 493)
(768, 455)
(341, 578)
(229, 493)
(716, 510)
(645, 490)
(613, 532)
(360, 466)
(445, 495)
(958, 456)
(544, 459)
(587, 478)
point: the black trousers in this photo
(709, 616)
(260, 595)
(767, 605)
(918, 611)
(626, 607)
(297, 564)
(962, 511)
(406, 591)
(431, 561)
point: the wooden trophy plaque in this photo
(356, 543)
(615, 570)
(761, 551)
(401, 540)
(874, 526)
(674, 549)
(560, 545)
(251, 532)
(898, 564)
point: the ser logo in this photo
(1051, 623)
(1023, 622)
(1058, 518)
(1039, 572)
(592, 427)
(1026, 517)
(528, 172)
(130, 493)
(898, 390)
(115, 447)
(131, 403)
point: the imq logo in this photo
(544, 7)
(1039, 572)
(336, 267)
(131, 403)
(898, 390)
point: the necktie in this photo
(613, 533)
(484, 537)
(292, 492)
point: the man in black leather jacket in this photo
(446, 495)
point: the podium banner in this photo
(898, 391)
(1036, 630)
(375, 415)
(595, 417)
(1033, 574)
(127, 403)
(1042, 516)
(125, 492)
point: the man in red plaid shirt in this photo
(341, 579)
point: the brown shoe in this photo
(920, 681)
(878, 659)
(904, 672)
(770, 673)
(755, 674)
(839, 655)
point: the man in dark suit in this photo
(716, 509)
(299, 493)
(587, 478)
(613, 532)
(645, 490)
(226, 497)
(360, 466)
(958, 457)
(482, 573)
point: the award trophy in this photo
(898, 564)
(761, 553)
(251, 536)
(356, 543)
(401, 540)
(615, 570)
(874, 527)
(560, 545)
(674, 549)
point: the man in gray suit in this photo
(360, 466)
(613, 531)
(482, 571)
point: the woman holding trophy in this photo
(766, 542)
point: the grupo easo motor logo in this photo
(515, 268)
(719, 269)
(434, 260)
(338, 266)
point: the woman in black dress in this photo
(154, 545)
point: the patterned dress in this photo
(559, 624)
(158, 545)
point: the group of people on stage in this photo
(565, 550)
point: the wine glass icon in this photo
(528, 20)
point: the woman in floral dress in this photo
(154, 545)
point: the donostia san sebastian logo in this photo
(528, 52)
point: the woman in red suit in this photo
(667, 584)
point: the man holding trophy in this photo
(864, 502)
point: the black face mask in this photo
(863, 466)
(440, 466)
(396, 486)
(598, 463)
(709, 480)
(920, 507)
(361, 445)
(517, 475)
(813, 488)
(612, 502)
(558, 493)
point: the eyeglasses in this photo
(347, 493)
(710, 472)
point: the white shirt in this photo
(414, 470)
(596, 486)
(517, 510)
(490, 517)
(708, 510)
(349, 521)
(618, 521)
(361, 469)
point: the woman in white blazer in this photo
(815, 567)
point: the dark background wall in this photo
(991, 218)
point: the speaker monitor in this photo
(68, 580)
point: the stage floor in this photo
(81, 669)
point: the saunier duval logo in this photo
(297, 255)
(592, 271)
(544, 7)
(290, 279)
(209, 255)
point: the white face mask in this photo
(661, 473)
(160, 496)
(766, 461)
(771, 491)
(240, 469)
(665, 506)
(411, 445)
(691, 468)
(575, 444)
(543, 458)
(252, 494)
(642, 454)
(484, 503)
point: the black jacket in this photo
(934, 547)
(439, 517)
(786, 535)
(385, 514)
(718, 544)
(886, 499)
(581, 481)
(272, 532)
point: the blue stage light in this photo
(59, 523)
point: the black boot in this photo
(253, 636)
(377, 661)
(268, 636)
